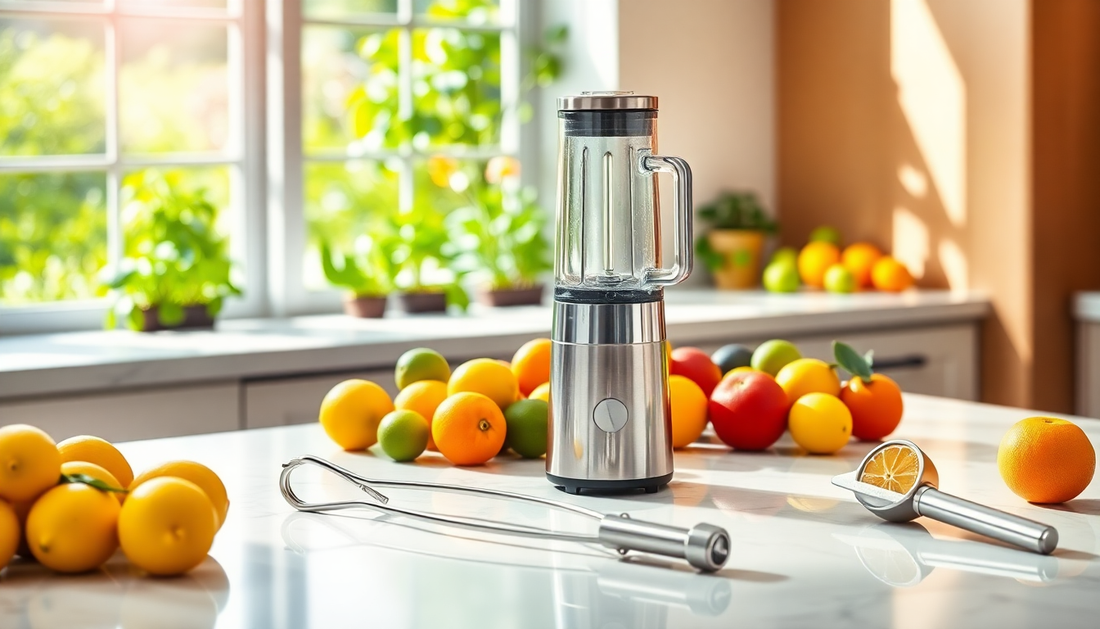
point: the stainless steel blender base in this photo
(610, 421)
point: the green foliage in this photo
(737, 210)
(369, 276)
(852, 362)
(422, 253)
(174, 256)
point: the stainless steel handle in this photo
(1029, 534)
(704, 546)
(682, 249)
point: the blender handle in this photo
(682, 250)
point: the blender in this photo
(610, 421)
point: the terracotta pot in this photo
(422, 302)
(364, 307)
(742, 250)
(530, 296)
(194, 317)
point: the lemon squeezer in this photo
(898, 482)
(706, 547)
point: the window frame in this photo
(243, 20)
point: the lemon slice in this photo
(895, 468)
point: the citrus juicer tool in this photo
(704, 546)
(897, 482)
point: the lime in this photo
(826, 233)
(773, 355)
(840, 279)
(527, 427)
(421, 364)
(785, 254)
(403, 435)
(781, 276)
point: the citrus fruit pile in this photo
(772, 389)
(483, 408)
(823, 264)
(71, 505)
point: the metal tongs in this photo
(704, 546)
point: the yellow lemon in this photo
(95, 471)
(820, 423)
(541, 392)
(72, 528)
(167, 526)
(808, 375)
(197, 473)
(9, 533)
(351, 412)
(486, 376)
(96, 450)
(29, 462)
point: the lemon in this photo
(541, 392)
(486, 376)
(421, 364)
(9, 533)
(351, 411)
(808, 375)
(29, 462)
(403, 435)
(72, 528)
(96, 450)
(167, 526)
(820, 423)
(197, 473)
(70, 468)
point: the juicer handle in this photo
(683, 252)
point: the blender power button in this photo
(610, 415)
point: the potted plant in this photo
(733, 247)
(503, 242)
(421, 252)
(366, 277)
(176, 271)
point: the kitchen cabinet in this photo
(287, 401)
(1087, 313)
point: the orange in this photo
(890, 275)
(860, 258)
(491, 378)
(807, 375)
(469, 428)
(876, 406)
(10, 533)
(541, 392)
(814, 259)
(97, 472)
(531, 365)
(422, 397)
(167, 526)
(894, 468)
(97, 451)
(689, 410)
(1046, 459)
(820, 423)
(351, 411)
(29, 463)
(208, 481)
(72, 528)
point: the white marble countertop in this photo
(36, 365)
(1086, 306)
(804, 553)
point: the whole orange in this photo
(814, 259)
(541, 392)
(1046, 459)
(876, 406)
(890, 275)
(531, 365)
(491, 378)
(860, 258)
(469, 428)
(422, 397)
(689, 410)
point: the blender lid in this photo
(606, 101)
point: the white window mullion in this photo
(407, 179)
(112, 64)
(509, 79)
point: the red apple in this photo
(694, 364)
(748, 410)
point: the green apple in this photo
(781, 276)
(840, 279)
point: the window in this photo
(102, 106)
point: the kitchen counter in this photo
(804, 553)
(51, 364)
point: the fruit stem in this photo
(484, 425)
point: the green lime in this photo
(781, 276)
(528, 422)
(826, 233)
(773, 355)
(421, 364)
(840, 279)
(785, 254)
(403, 435)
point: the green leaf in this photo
(741, 258)
(91, 482)
(870, 357)
(713, 260)
(457, 296)
(169, 313)
(851, 361)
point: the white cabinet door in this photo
(297, 400)
(132, 415)
(941, 360)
